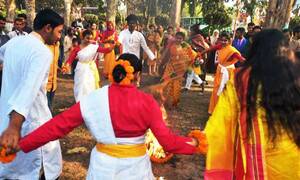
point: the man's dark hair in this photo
(196, 29)
(241, 30)
(251, 24)
(132, 18)
(18, 19)
(296, 29)
(225, 34)
(87, 33)
(45, 17)
(74, 40)
(151, 26)
(257, 27)
(180, 34)
(22, 16)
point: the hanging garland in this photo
(155, 150)
(200, 136)
(4, 158)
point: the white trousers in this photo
(190, 77)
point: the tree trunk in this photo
(175, 13)
(68, 4)
(30, 8)
(152, 11)
(130, 4)
(278, 13)
(11, 7)
(111, 10)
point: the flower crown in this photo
(129, 72)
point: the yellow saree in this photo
(231, 156)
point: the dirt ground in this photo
(190, 114)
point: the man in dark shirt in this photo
(249, 30)
(26, 28)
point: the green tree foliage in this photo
(91, 18)
(162, 20)
(215, 14)
(57, 5)
(251, 5)
(294, 22)
(2, 8)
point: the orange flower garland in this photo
(4, 158)
(155, 150)
(162, 160)
(129, 72)
(200, 136)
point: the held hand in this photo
(194, 142)
(65, 68)
(111, 48)
(10, 139)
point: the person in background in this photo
(199, 45)
(240, 43)
(132, 41)
(214, 37)
(86, 78)
(257, 29)
(3, 39)
(153, 39)
(169, 37)
(26, 28)
(110, 40)
(52, 77)
(227, 57)
(19, 25)
(68, 42)
(61, 57)
(175, 62)
(2, 26)
(249, 33)
(96, 33)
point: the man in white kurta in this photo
(26, 62)
(132, 41)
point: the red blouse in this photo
(132, 113)
(76, 49)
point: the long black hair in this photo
(274, 75)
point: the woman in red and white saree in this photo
(118, 117)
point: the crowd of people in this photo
(254, 106)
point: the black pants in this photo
(43, 177)
(50, 97)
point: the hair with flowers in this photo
(122, 72)
(126, 65)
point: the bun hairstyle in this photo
(119, 72)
